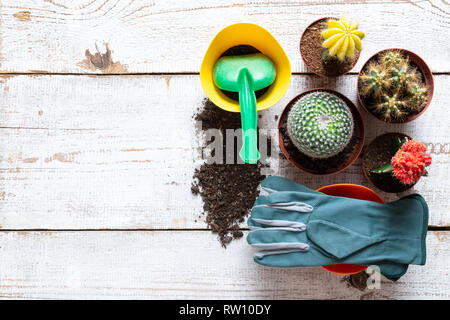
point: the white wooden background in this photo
(96, 156)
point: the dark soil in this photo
(228, 191)
(213, 117)
(327, 165)
(358, 281)
(238, 51)
(369, 101)
(377, 153)
(311, 50)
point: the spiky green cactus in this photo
(320, 124)
(392, 58)
(392, 87)
(391, 106)
(418, 93)
(403, 74)
(374, 80)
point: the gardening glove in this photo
(306, 228)
(273, 184)
(391, 270)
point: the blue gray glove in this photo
(295, 226)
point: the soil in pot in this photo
(228, 191)
(312, 51)
(368, 101)
(239, 51)
(379, 152)
(327, 165)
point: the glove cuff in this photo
(424, 230)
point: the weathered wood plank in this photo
(119, 152)
(184, 265)
(172, 36)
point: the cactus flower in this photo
(409, 163)
(342, 38)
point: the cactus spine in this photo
(391, 58)
(392, 87)
(320, 124)
(374, 80)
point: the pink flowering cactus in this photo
(410, 161)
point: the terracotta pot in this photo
(378, 183)
(305, 62)
(424, 70)
(358, 132)
(356, 192)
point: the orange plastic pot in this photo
(356, 192)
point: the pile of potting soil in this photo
(228, 191)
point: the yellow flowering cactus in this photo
(342, 38)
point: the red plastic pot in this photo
(359, 132)
(304, 61)
(356, 192)
(423, 68)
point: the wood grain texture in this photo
(118, 152)
(60, 37)
(185, 265)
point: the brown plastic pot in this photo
(358, 133)
(306, 63)
(424, 70)
(394, 185)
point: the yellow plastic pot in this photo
(259, 38)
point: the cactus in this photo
(374, 80)
(342, 38)
(320, 124)
(418, 93)
(393, 88)
(391, 107)
(409, 162)
(392, 58)
(403, 74)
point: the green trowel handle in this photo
(247, 100)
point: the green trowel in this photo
(246, 74)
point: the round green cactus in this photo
(320, 124)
